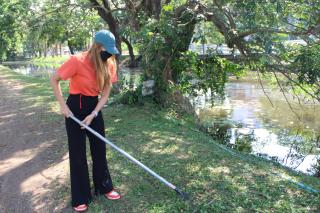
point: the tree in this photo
(12, 25)
(256, 29)
(105, 12)
(164, 29)
(123, 18)
(61, 22)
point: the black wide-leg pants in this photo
(81, 106)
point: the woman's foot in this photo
(113, 195)
(81, 208)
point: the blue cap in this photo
(108, 41)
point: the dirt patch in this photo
(34, 166)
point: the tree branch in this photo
(270, 30)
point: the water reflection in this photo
(25, 68)
(129, 78)
(248, 122)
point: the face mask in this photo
(105, 55)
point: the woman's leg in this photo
(100, 172)
(80, 185)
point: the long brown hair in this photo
(101, 68)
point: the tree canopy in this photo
(162, 30)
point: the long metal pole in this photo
(181, 193)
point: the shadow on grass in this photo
(32, 145)
(216, 180)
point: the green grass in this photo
(171, 145)
(37, 92)
(49, 60)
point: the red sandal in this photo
(113, 195)
(81, 208)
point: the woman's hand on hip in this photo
(87, 121)
(64, 109)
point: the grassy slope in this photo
(216, 180)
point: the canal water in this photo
(248, 121)
(245, 120)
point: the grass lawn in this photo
(49, 60)
(170, 144)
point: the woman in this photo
(90, 73)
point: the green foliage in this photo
(317, 168)
(12, 26)
(131, 97)
(219, 129)
(307, 65)
(207, 33)
(196, 73)
(243, 142)
(155, 46)
(34, 26)
(30, 28)
(164, 47)
(299, 69)
(68, 23)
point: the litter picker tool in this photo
(179, 191)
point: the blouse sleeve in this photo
(68, 68)
(113, 73)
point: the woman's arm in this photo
(105, 91)
(103, 100)
(55, 83)
(104, 97)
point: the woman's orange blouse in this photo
(81, 73)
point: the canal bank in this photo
(249, 119)
(171, 145)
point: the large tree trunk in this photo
(133, 61)
(60, 49)
(185, 25)
(173, 97)
(70, 47)
(56, 53)
(104, 12)
(45, 49)
(153, 8)
(185, 34)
